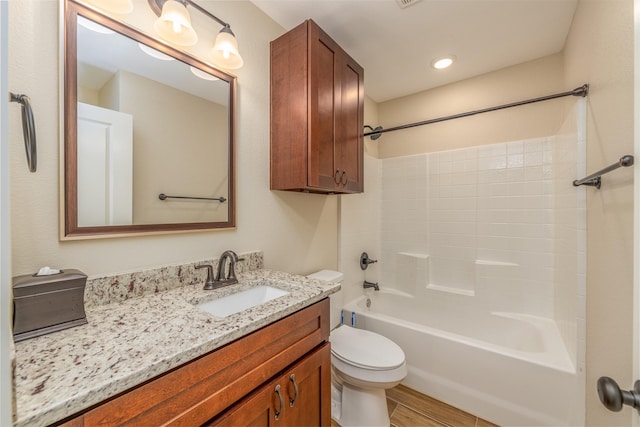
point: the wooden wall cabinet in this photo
(317, 109)
(235, 385)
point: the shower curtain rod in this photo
(580, 91)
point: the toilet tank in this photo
(335, 299)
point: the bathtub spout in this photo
(370, 285)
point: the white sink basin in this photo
(235, 303)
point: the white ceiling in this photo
(396, 46)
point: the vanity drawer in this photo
(199, 390)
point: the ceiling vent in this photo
(406, 3)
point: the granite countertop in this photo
(127, 343)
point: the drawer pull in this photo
(279, 410)
(292, 378)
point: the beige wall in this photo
(371, 118)
(297, 232)
(529, 80)
(599, 50)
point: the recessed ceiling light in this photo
(442, 63)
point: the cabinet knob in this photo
(336, 176)
(279, 410)
(292, 378)
(344, 178)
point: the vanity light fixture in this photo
(174, 25)
(442, 63)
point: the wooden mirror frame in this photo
(69, 228)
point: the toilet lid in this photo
(365, 349)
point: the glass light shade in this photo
(174, 25)
(225, 50)
(114, 6)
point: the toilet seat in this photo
(365, 349)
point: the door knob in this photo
(613, 398)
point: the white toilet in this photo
(363, 365)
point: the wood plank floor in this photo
(409, 408)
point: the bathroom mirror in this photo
(148, 134)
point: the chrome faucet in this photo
(220, 279)
(366, 285)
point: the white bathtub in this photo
(508, 368)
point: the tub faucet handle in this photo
(365, 261)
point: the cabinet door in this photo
(258, 409)
(308, 388)
(304, 400)
(349, 128)
(324, 105)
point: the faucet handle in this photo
(365, 261)
(209, 283)
(232, 269)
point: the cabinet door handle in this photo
(292, 378)
(346, 178)
(336, 176)
(279, 410)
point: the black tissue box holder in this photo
(46, 304)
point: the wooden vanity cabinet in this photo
(234, 384)
(292, 399)
(317, 109)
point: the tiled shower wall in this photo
(499, 224)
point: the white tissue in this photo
(47, 271)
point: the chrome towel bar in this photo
(593, 180)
